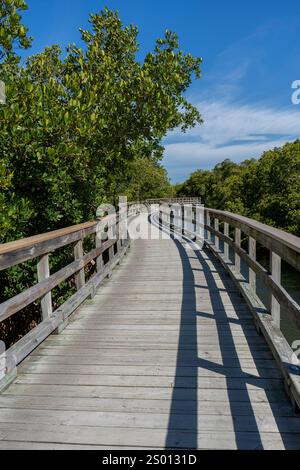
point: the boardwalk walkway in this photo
(165, 355)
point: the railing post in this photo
(217, 240)
(188, 213)
(80, 276)
(199, 222)
(276, 275)
(43, 272)
(208, 223)
(252, 254)
(117, 232)
(237, 241)
(110, 234)
(99, 259)
(226, 246)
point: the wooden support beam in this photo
(43, 272)
(226, 246)
(99, 259)
(111, 236)
(237, 241)
(208, 222)
(217, 240)
(252, 254)
(78, 254)
(275, 264)
(199, 222)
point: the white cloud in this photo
(230, 130)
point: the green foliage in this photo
(74, 129)
(82, 127)
(12, 32)
(148, 180)
(267, 189)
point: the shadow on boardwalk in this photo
(185, 425)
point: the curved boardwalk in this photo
(165, 355)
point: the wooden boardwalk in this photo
(165, 355)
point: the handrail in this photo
(287, 239)
(31, 241)
(284, 244)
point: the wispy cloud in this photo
(244, 99)
(230, 130)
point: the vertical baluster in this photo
(252, 254)
(117, 232)
(168, 220)
(276, 275)
(122, 227)
(237, 241)
(199, 222)
(43, 272)
(185, 220)
(226, 246)
(217, 240)
(80, 276)
(111, 235)
(208, 223)
(99, 259)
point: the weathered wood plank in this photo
(142, 405)
(147, 381)
(110, 437)
(147, 393)
(152, 421)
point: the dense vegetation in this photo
(74, 128)
(82, 126)
(267, 189)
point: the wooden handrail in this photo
(174, 200)
(36, 239)
(271, 237)
(19, 251)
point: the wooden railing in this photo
(40, 247)
(281, 245)
(178, 200)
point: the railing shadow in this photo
(185, 421)
(185, 388)
(267, 377)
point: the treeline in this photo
(81, 127)
(267, 189)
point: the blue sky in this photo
(251, 53)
